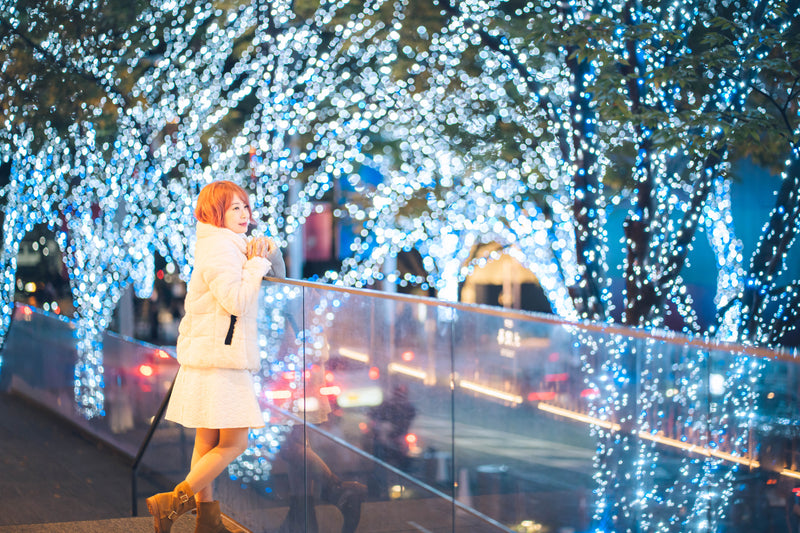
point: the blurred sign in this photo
(318, 233)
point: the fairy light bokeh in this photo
(478, 135)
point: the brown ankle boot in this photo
(209, 519)
(168, 506)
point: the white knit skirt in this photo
(214, 398)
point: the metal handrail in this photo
(667, 336)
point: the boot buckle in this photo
(172, 515)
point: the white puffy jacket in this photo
(224, 284)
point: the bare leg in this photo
(214, 450)
(205, 440)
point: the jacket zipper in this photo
(229, 336)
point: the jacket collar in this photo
(209, 230)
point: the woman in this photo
(218, 351)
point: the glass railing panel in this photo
(762, 395)
(264, 487)
(389, 400)
(409, 433)
(39, 358)
(355, 378)
(670, 446)
(137, 378)
(456, 418)
(522, 454)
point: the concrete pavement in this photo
(50, 472)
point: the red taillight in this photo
(146, 370)
(411, 439)
(408, 356)
(541, 396)
(161, 354)
(374, 373)
(333, 390)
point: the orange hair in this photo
(215, 198)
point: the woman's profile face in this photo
(237, 216)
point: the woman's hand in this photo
(256, 247)
(260, 247)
